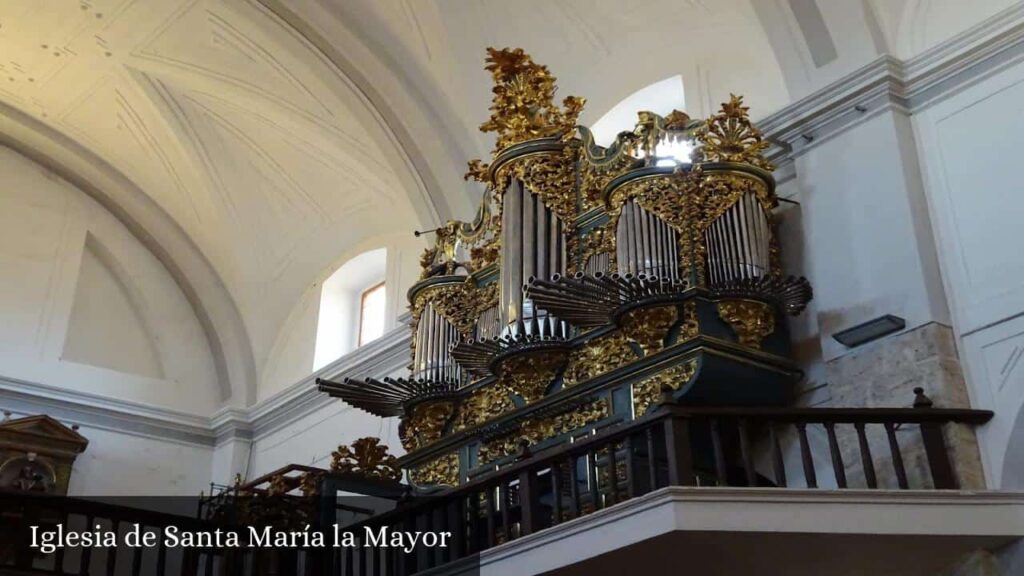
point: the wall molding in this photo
(891, 84)
(386, 355)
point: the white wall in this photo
(311, 440)
(867, 244)
(123, 292)
(912, 26)
(117, 464)
(84, 307)
(970, 143)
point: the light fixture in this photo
(870, 330)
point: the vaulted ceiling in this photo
(249, 143)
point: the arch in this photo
(401, 111)
(106, 296)
(923, 24)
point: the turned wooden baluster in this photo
(777, 466)
(865, 456)
(677, 447)
(805, 456)
(935, 447)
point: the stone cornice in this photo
(384, 356)
(122, 416)
(888, 83)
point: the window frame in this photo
(362, 309)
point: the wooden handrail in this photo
(838, 415)
(601, 439)
(782, 415)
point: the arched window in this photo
(353, 307)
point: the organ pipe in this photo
(532, 247)
(645, 244)
(432, 358)
(739, 242)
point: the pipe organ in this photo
(594, 283)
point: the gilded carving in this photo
(665, 196)
(461, 304)
(595, 178)
(532, 431)
(647, 392)
(629, 150)
(729, 136)
(596, 357)
(530, 374)
(720, 190)
(426, 424)
(471, 246)
(690, 327)
(366, 457)
(749, 319)
(551, 176)
(649, 327)
(309, 485)
(441, 258)
(477, 171)
(443, 470)
(483, 237)
(485, 403)
(706, 196)
(523, 106)
(673, 198)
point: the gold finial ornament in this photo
(729, 136)
(523, 107)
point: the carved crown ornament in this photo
(594, 283)
(523, 107)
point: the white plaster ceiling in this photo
(226, 118)
(601, 50)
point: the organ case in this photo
(595, 282)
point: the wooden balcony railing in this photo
(673, 446)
